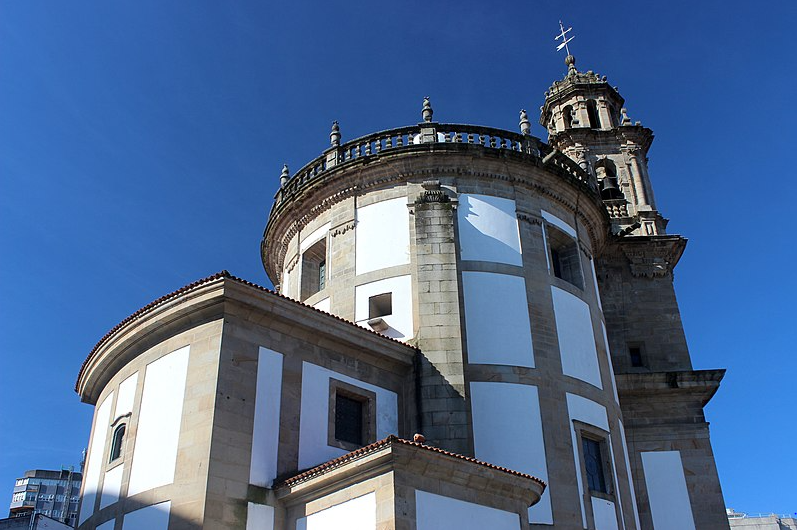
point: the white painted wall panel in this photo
(111, 486)
(155, 452)
(316, 235)
(285, 288)
(323, 305)
(127, 393)
(107, 525)
(595, 283)
(630, 478)
(604, 513)
(488, 229)
(265, 433)
(155, 517)
(497, 319)
(314, 419)
(558, 223)
(259, 517)
(611, 364)
(356, 514)
(436, 512)
(96, 459)
(400, 322)
(669, 499)
(576, 337)
(586, 411)
(507, 431)
(382, 235)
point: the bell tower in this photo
(586, 119)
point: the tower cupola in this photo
(586, 119)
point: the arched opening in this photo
(117, 442)
(606, 172)
(592, 114)
(567, 116)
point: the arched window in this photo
(567, 116)
(592, 113)
(117, 443)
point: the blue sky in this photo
(141, 145)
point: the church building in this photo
(470, 329)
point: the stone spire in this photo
(334, 136)
(284, 176)
(427, 111)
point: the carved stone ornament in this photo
(529, 218)
(654, 259)
(342, 228)
(432, 192)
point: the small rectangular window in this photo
(564, 255)
(593, 462)
(635, 353)
(348, 419)
(380, 305)
(314, 269)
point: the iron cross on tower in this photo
(564, 37)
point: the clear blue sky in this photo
(141, 145)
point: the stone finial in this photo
(427, 109)
(418, 438)
(625, 120)
(525, 124)
(570, 61)
(334, 136)
(285, 175)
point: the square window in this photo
(564, 256)
(314, 269)
(380, 305)
(348, 419)
(352, 418)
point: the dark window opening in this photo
(593, 464)
(349, 419)
(380, 305)
(565, 261)
(635, 353)
(592, 114)
(314, 269)
(568, 117)
(117, 442)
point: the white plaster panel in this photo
(604, 513)
(558, 223)
(669, 499)
(155, 452)
(155, 517)
(576, 337)
(507, 431)
(107, 525)
(111, 486)
(497, 319)
(611, 364)
(436, 512)
(547, 255)
(316, 235)
(102, 420)
(488, 229)
(628, 470)
(286, 283)
(127, 393)
(586, 411)
(323, 305)
(259, 517)
(265, 433)
(595, 283)
(382, 235)
(314, 419)
(355, 514)
(400, 321)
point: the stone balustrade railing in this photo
(425, 133)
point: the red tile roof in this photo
(219, 275)
(381, 444)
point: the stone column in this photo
(640, 191)
(443, 411)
